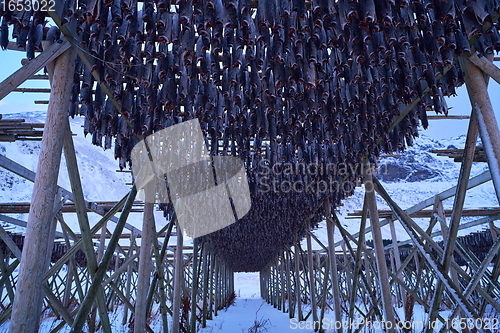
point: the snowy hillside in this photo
(97, 169)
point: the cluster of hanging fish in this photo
(279, 81)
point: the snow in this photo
(251, 315)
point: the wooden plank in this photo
(144, 272)
(83, 221)
(179, 266)
(22, 171)
(333, 265)
(448, 117)
(488, 126)
(86, 305)
(27, 306)
(463, 226)
(32, 90)
(486, 66)
(378, 242)
(32, 67)
(312, 282)
(385, 213)
(194, 286)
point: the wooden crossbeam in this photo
(448, 117)
(462, 226)
(23, 208)
(24, 172)
(457, 154)
(387, 213)
(32, 90)
(32, 67)
(486, 66)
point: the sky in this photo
(438, 129)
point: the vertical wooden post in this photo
(179, 267)
(288, 271)
(477, 87)
(465, 169)
(206, 280)
(28, 300)
(144, 273)
(194, 288)
(397, 259)
(128, 283)
(330, 228)
(312, 281)
(378, 243)
(296, 258)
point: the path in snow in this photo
(248, 309)
(246, 312)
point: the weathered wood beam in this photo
(462, 226)
(330, 227)
(32, 67)
(86, 305)
(473, 182)
(437, 269)
(27, 174)
(194, 286)
(32, 90)
(312, 283)
(385, 213)
(488, 126)
(21, 223)
(144, 273)
(83, 221)
(378, 242)
(28, 301)
(486, 66)
(448, 117)
(179, 266)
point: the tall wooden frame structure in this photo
(184, 275)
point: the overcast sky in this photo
(439, 129)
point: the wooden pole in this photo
(194, 287)
(83, 221)
(465, 169)
(330, 227)
(397, 259)
(296, 258)
(477, 88)
(206, 280)
(144, 274)
(312, 282)
(378, 243)
(28, 300)
(179, 266)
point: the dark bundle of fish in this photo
(289, 81)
